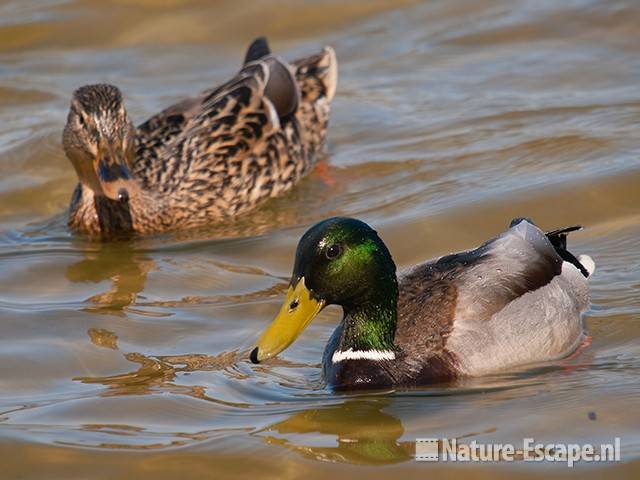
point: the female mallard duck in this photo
(206, 158)
(516, 299)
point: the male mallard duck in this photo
(206, 158)
(515, 300)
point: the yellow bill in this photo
(298, 310)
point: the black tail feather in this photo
(258, 49)
(558, 238)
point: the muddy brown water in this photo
(128, 360)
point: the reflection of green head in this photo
(365, 433)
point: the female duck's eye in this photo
(334, 251)
(81, 120)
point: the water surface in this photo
(129, 360)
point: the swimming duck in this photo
(206, 158)
(514, 300)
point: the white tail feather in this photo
(588, 263)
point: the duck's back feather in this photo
(162, 128)
(229, 148)
(511, 301)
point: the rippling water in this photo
(128, 360)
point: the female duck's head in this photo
(339, 261)
(99, 139)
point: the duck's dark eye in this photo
(81, 121)
(334, 251)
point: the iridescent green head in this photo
(343, 261)
(339, 261)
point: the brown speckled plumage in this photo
(204, 159)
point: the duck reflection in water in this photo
(365, 434)
(155, 373)
(119, 263)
